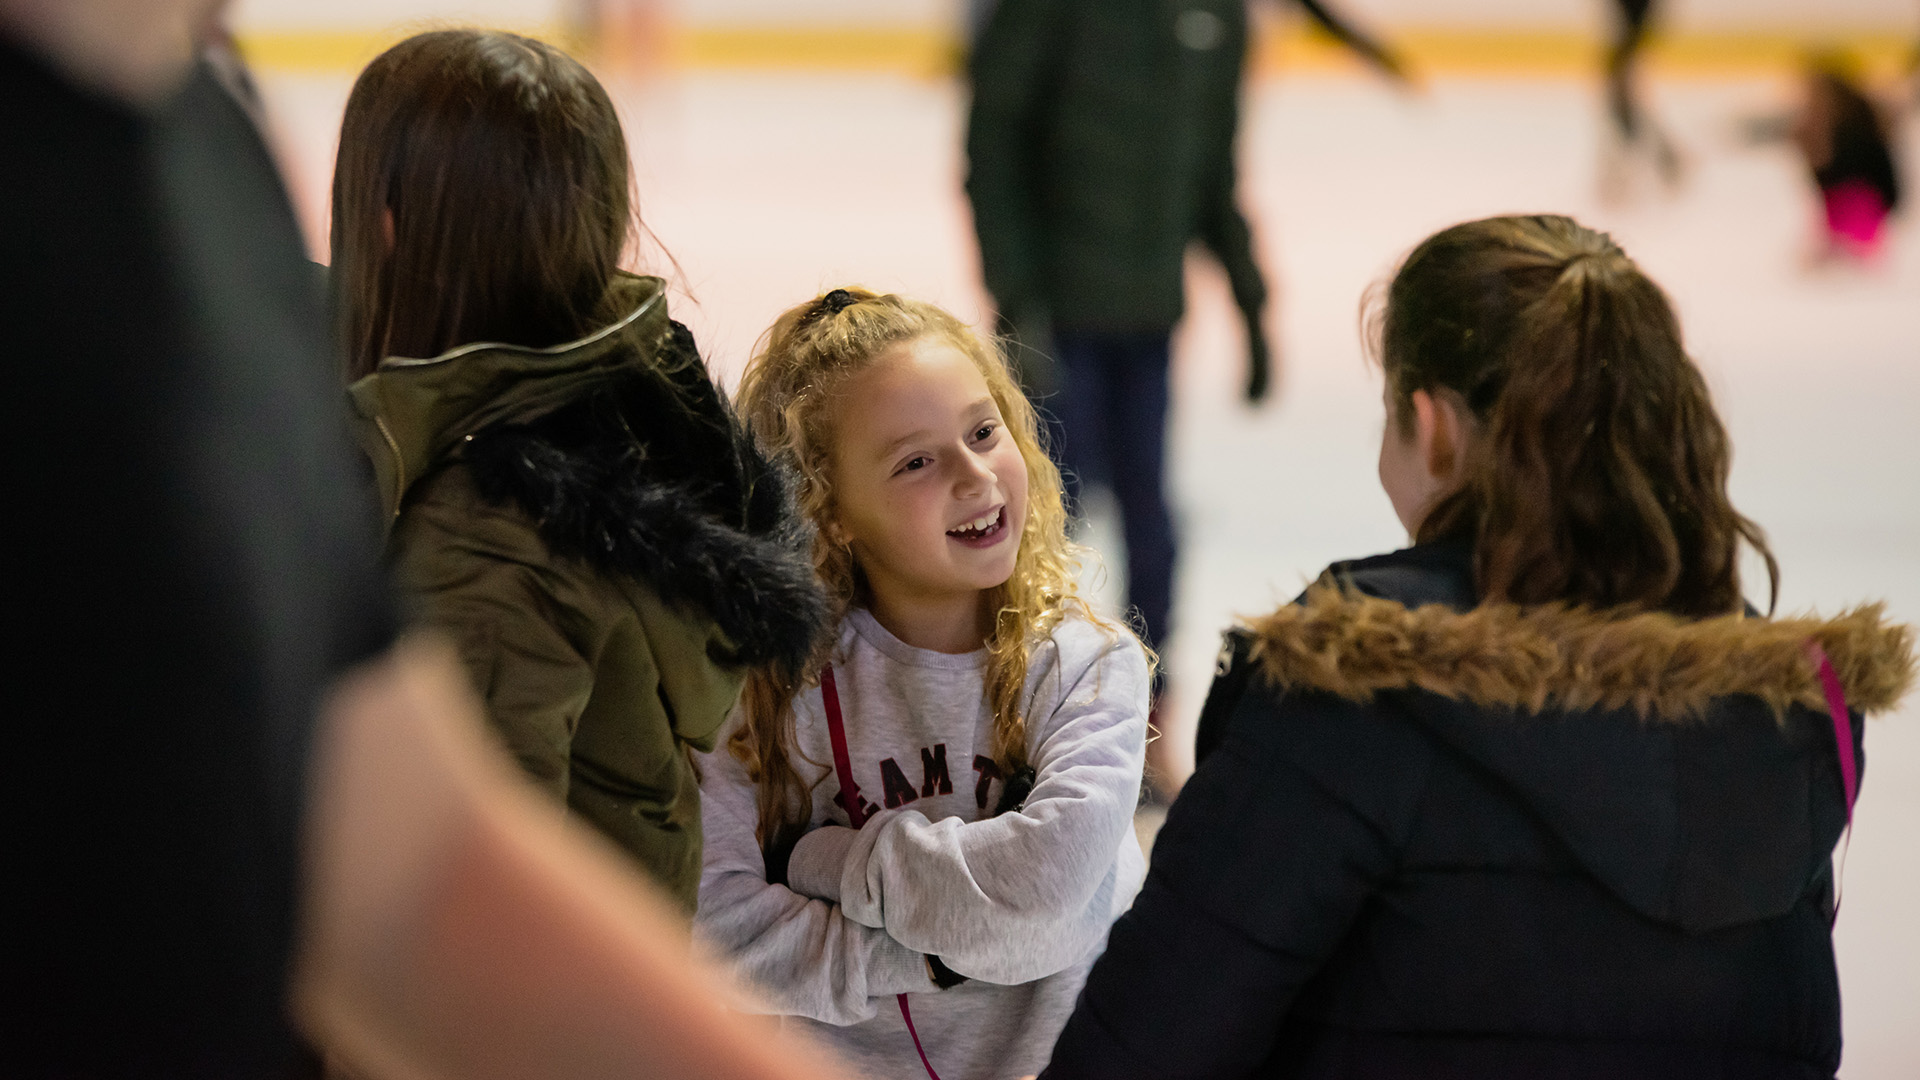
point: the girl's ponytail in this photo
(764, 745)
(1600, 469)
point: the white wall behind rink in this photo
(282, 16)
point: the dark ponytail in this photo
(1599, 470)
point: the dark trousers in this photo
(1110, 428)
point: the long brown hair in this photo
(482, 193)
(1598, 474)
(786, 396)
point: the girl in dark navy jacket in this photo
(1538, 796)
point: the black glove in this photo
(943, 976)
(1013, 795)
(780, 852)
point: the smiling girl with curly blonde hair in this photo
(941, 810)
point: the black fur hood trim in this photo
(650, 474)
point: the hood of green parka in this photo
(412, 414)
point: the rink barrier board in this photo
(932, 52)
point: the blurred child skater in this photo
(1846, 139)
(1539, 795)
(993, 729)
(568, 496)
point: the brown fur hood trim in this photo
(1534, 658)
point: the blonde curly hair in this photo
(785, 396)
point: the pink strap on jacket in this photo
(1842, 724)
(857, 814)
(1842, 742)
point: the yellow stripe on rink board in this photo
(315, 50)
(911, 50)
(348, 50)
(1431, 51)
(932, 51)
(1553, 52)
(1881, 53)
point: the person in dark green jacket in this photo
(1100, 146)
(568, 495)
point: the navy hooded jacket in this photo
(1434, 838)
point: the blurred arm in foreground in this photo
(197, 565)
(458, 926)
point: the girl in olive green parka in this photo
(569, 497)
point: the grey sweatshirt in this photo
(1019, 903)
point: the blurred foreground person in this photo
(457, 928)
(195, 565)
(568, 497)
(1540, 795)
(194, 562)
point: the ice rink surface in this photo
(767, 188)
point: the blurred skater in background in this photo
(627, 39)
(1846, 139)
(1636, 140)
(1363, 43)
(1100, 146)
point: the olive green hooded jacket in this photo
(591, 526)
